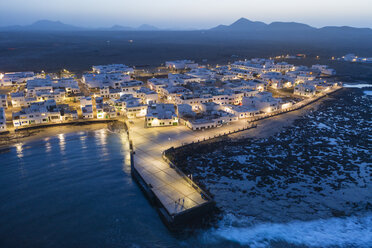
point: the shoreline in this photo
(265, 128)
(40, 132)
(295, 166)
(272, 125)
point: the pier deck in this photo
(172, 189)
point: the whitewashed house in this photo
(160, 115)
(156, 84)
(39, 84)
(112, 68)
(19, 99)
(147, 95)
(37, 113)
(324, 69)
(2, 120)
(181, 64)
(131, 106)
(242, 112)
(263, 101)
(304, 89)
(3, 101)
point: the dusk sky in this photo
(186, 14)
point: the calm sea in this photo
(75, 190)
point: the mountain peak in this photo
(48, 25)
(46, 22)
(243, 20)
(147, 27)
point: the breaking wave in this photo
(353, 231)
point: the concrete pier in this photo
(177, 198)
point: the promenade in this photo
(176, 193)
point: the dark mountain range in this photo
(244, 29)
(46, 26)
(43, 25)
(244, 24)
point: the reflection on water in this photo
(62, 143)
(95, 203)
(126, 152)
(48, 146)
(83, 141)
(89, 203)
(102, 136)
(19, 150)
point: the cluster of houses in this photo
(353, 58)
(200, 97)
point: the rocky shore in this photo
(319, 167)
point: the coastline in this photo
(273, 125)
(265, 128)
(28, 135)
(289, 173)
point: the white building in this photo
(263, 101)
(113, 68)
(3, 101)
(110, 93)
(96, 81)
(242, 111)
(182, 79)
(84, 101)
(131, 106)
(303, 78)
(185, 111)
(304, 89)
(203, 74)
(2, 120)
(156, 84)
(281, 67)
(34, 85)
(211, 116)
(17, 77)
(87, 112)
(246, 67)
(37, 113)
(147, 96)
(131, 86)
(324, 69)
(86, 104)
(104, 110)
(160, 115)
(181, 64)
(19, 99)
(171, 92)
(5, 82)
(43, 95)
(69, 85)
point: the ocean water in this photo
(75, 190)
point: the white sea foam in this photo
(353, 231)
(368, 92)
(360, 86)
